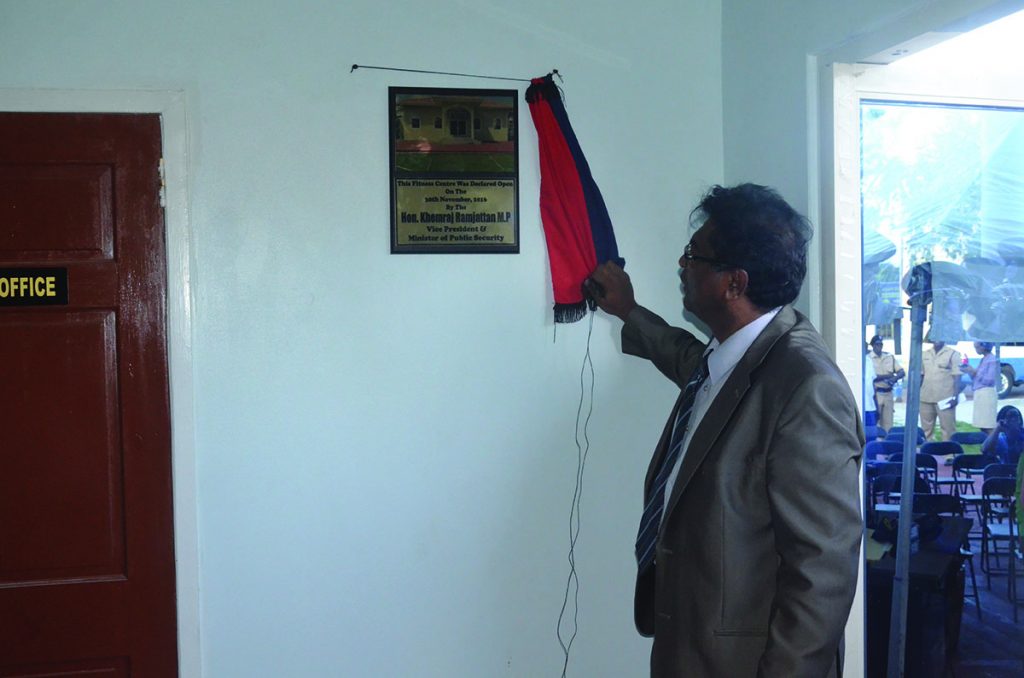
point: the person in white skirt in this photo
(984, 385)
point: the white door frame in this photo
(170, 105)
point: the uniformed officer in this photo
(887, 372)
(940, 365)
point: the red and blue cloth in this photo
(577, 227)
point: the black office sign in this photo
(33, 287)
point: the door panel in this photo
(86, 540)
(66, 415)
(79, 226)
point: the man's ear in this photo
(736, 285)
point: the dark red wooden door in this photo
(86, 540)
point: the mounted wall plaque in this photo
(454, 170)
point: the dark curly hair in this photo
(1005, 410)
(758, 231)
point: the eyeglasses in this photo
(689, 256)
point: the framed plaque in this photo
(454, 170)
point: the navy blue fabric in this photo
(605, 246)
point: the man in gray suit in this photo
(748, 546)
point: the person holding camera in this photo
(1006, 441)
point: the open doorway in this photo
(930, 168)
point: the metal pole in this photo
(919, 290)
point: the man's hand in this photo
(618, 297)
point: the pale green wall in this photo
(385, 455)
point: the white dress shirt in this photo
(721, 363)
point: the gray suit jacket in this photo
(756, 560)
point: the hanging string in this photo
(582, 449)
(554, 71)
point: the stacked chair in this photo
(896, 433)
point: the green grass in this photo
(475, 163)
(965, 427)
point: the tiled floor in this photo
(993, 647)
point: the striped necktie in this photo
(647, 535)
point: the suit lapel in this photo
(721, 409)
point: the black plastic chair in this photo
(968, 437)
(965, 468)
(901, 429)
(874, 432)
(925, 465)
(875, 472)
(947, 504)
(874, 448)
(888, 487)
(999, 471)
(990, 471)
(939, 504)
(945, 448)
(897, 436)
(999, 526)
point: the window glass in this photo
(945, 184)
